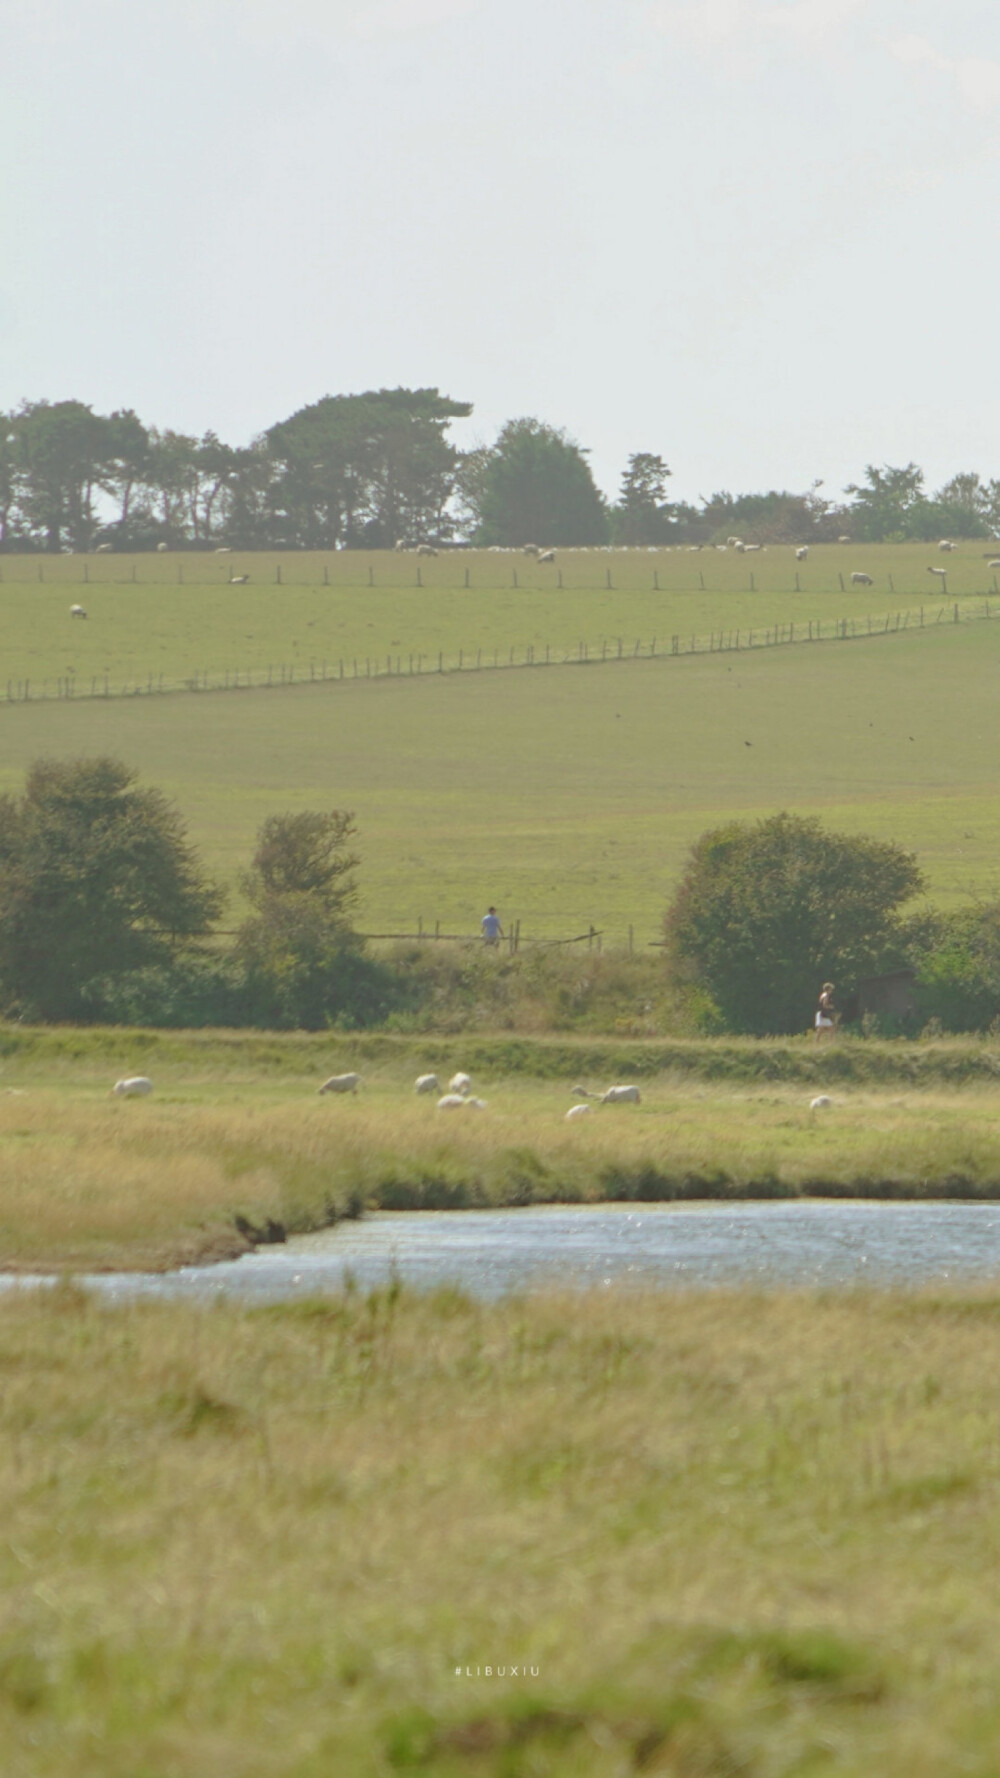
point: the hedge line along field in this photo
(571, 796)
(741, 1534)
(181, 617)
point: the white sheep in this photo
(844, 538)
(223, 550)
(134, 1086)
(941, 573)
(621, 1096)
(547, 555)
(802, 552)
(862, 580)
(427, 1083)
(474, 1104)
(946, 544)
(103, 549)
(426, 549)
(820, 1103)
(576, 1111)
(162, 548)
(238, 579)
(451, 1102)
(341, 1083)
(460, 1083)
(530, 549)
(77, 611)
(995, 563)
(750, 549)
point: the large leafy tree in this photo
(96, 879)
(766, 910)
(298, 949)
(62, 450)
(372, 469)
(642, 515)
(536, 487)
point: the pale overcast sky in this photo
(757, 236)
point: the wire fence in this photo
(479, 660)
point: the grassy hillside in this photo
(160, 627)
(572, 797)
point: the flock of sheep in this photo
(459, 1095)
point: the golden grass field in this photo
(726, 1534)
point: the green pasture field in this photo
(156, 628)
(235, 1136)
(571, 796)
(716, 1535)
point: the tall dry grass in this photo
(92, 1182)
(734, 1534)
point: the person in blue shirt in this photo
(492, 929)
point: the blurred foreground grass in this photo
(734, 1534)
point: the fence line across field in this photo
(529, 655)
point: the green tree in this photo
(299, 950)
(642, 515)
(373, 469)
(61, 450)
(886, 505)
(96, 879)
(766, 911)
(537, 487)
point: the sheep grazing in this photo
(134, 1086)
(162, 548)
(399, 545)
(426, 549)
(946, 544)
(77, 611)
(427, 1083)
(995, 563)
(547, 555)
(940, 572)
(820, 1103)
(461, 1084)
(341, 1083)
(530, 549)
(621, 1096)
(862, 580)
(802, 553)
(576, 1111)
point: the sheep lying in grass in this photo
(821, 1101)
(460, 1102)
(576, 1111)
(621, 1096)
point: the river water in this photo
(491, 1253)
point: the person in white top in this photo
(492, 929)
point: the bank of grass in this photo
(734, 1534)
(232, 1149)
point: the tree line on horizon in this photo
(375, 470)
